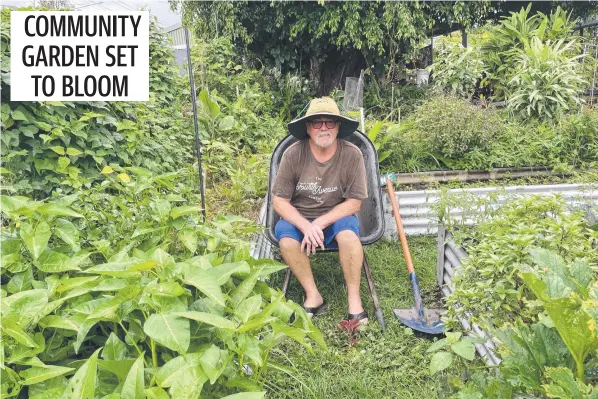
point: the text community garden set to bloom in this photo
(100, 44)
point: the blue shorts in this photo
(286, 229)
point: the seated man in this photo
(318, 190)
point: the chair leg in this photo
(377, 309)
(287, 278)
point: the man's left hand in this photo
(313, 236)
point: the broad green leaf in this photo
(208, 285)
(35, 375)
(255, 323)
(440, 344)
(36, 240)
(107, 310)
(188, 383)
(208, 318)
(55, 321)
(162, 208)
(167, 374)
(141, 230)
(227, 122)
(107, 170)
(246, 395)
(555, 286)
(120, 368)
(248, 307)
(209, 106)
(89, 115)
(465, 349)
(68, 283)
(55, 209)
(20, 282)
(82, 333)
(162, 258)
(139, 171)
(57, 149)
(244, 289)
(21, 114)
(82, 384)
(114, 349)
(563, 384)
(63, 163)
(134, 384)
(67, 233)
(169, 330)
(223, 272)
(575, 326)
(10, 328)
(440, 361)
(25, 305)
(156, 393)
(111, 284)
(213, 362)
(54, 262)
(581, 273)
(184, 210)
(73, 151)
(123, 269)
(169, 288)
(291, 332)
(452, 337)
(189, 239)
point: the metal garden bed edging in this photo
(420, 218)
(449, 263)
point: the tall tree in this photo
(331, 40)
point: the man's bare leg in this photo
(298, 261)
(351, 258)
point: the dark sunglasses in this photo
(317, 124)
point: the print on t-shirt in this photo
(316, 189)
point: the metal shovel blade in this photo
(429, 323)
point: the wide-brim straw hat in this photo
(324, 106)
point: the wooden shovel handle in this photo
(399, 221)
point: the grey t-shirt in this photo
(313, 187)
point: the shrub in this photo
(105, 285)
(46, 145)
(488, 287)
(546, 82)
(458, 70)
(452, 127)
(502, 50)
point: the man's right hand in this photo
(313, 236)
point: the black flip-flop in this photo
(314, 311)
(359, 316)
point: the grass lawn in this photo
(392, 364)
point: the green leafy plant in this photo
(546, 83)
(458, 70)
(488, 286)
(569, 294)
(445, 350)
(515, 34)
(453, 127)
(380, 141)
(49, 145)
(139, 323)
(538, 359)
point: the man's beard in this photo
(324, 144)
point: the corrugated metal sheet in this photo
(420, 217)
(449, 262)
(260, 247)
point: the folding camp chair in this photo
(371, 217)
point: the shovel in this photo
(417, 318)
